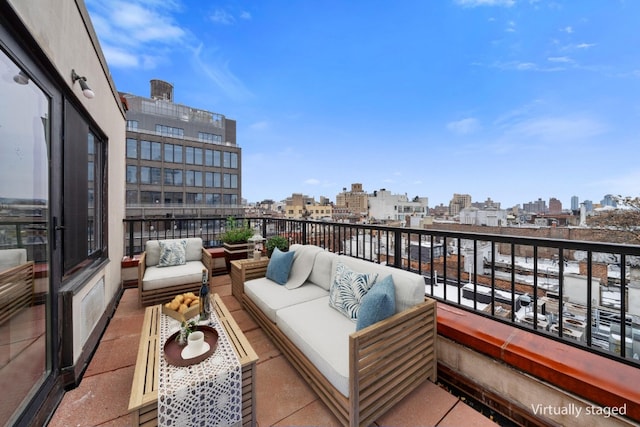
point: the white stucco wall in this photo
(77, 48)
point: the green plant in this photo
(185, 329)
(276, 242)
(236, 231)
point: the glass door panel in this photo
(25, 340)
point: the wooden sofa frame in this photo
(16, 289)
(163, 295)
(387, 360)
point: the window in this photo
(194, 198)
(83, 191)
(132, 197)
(172, 198)
(216, 159)
(169, 131)
(208, 181)
(168, 153)
(149, 197)
(156, 153)
(172, 177)
(132, 174)
(132, 125)
(145, 150)
(150, 175)
(230, 160)
(132, 148)
(197, 153)
(172, 153)
(190, 157)
(230, 199)
(230, 180)
(209, 137)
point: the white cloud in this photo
(556, 128)
(219, 73)
(567, 29)
(464, 126)
(563, 59)
(221, 16)
(262, 125)
(312, 181)
(245, 15)
(585, 45)
(136, 33)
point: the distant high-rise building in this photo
(609, 200)
(588, 204)
(486, 204)
(459, 202)
(575, 203)
(179, 157)
(555, 206)
(300, 206)
(354, 202)
(539, 206)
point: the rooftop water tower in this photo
(161, 90)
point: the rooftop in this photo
(283, 397)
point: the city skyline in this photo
(495, 98)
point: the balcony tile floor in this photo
(283, 398)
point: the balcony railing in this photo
(582, 293)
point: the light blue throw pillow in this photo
(378, 304)
(172, 252)
(348, 288)
(279, 266)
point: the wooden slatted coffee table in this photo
(144, 390)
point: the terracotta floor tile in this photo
(425, 406)
(244, 321)
(280, 392)
(98, 399)
(262, 345)
(123, 325)
(464, 415)
(314, 414)
(114, 354)
(231, 303)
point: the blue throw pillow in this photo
(378, 304)
(279, 266)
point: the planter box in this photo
(234, 251)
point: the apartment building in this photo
(299, 206)
(459, 202)
(385, 206)
(180, 159)
(354, 202)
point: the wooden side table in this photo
(144, 390)
(246, 269)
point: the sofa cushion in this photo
(378, 304)
(172, 252)
(279, 266)
(348, 288)
(162, 277)
(303, 259)
(322, 335)
(409, 287)
(193, 251)
(271, 297)
(10, 258)
(321, 274)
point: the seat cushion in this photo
(271, 297)
(164, 277)
(322, 335)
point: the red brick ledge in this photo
(596, 378)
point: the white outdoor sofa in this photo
(360, 374)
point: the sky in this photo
(503, 99)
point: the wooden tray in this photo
(173, 351)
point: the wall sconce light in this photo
(21, 78)
(86, 90)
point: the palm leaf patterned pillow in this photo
(348, 288)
